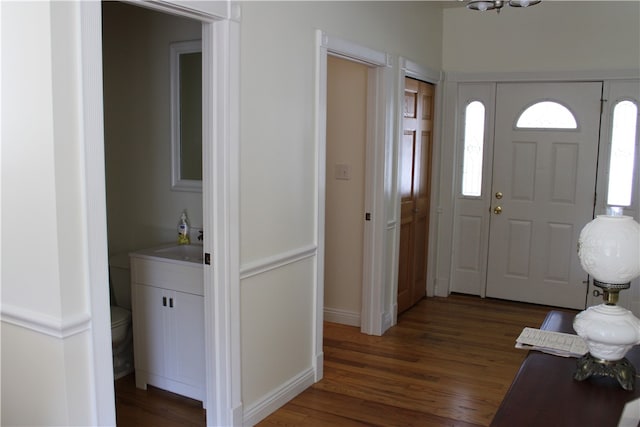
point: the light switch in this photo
(343, 172)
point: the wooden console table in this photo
(545, 394)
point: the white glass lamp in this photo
(609, 250)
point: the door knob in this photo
(499, 195)
(497, 210)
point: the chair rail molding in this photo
(276, 261)
(61, 328)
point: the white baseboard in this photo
(387, 321)
(344, 317)
(272, 401)
(319, 366)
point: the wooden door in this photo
(415, 189)
(543, 187)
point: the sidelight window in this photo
(621, 160)
(473, 149)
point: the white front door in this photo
(542, 194)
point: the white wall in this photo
(277, 84)
(142, 209)
(551, 36)
(46, 329)
(278, 166)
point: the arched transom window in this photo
(547, 115)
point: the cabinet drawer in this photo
(175, 276)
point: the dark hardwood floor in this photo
(154, 407)
(448, 362)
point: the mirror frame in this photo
(175, 50)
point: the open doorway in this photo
(143, 203)
(220, 44)
(375, 312)
(345, 189)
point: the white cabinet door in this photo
(150, 341)
(169, 340)
(188, 339)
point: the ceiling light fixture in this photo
(483, 5)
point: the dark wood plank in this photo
(154, 407)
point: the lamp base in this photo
(622, 370)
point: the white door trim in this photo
(96, 211)
(542, 76)
(378, 129)
(221, 37)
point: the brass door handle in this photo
(499, 195)
(497, 210)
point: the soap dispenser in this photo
(183, 229)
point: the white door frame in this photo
(378, 134)
(220, 55)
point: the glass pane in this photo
(623, 138)
(547, 115)
(473, 147)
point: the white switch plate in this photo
(343, 172)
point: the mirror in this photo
(186, 115)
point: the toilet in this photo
(121, 330)
(120, 325)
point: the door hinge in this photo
(207, 258)
(367, 216)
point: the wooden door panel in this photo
(415, 181)
(420, 232)
(404, 273)
(406, 166)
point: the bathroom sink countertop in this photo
(191, 254)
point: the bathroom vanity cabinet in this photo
(168, 323)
